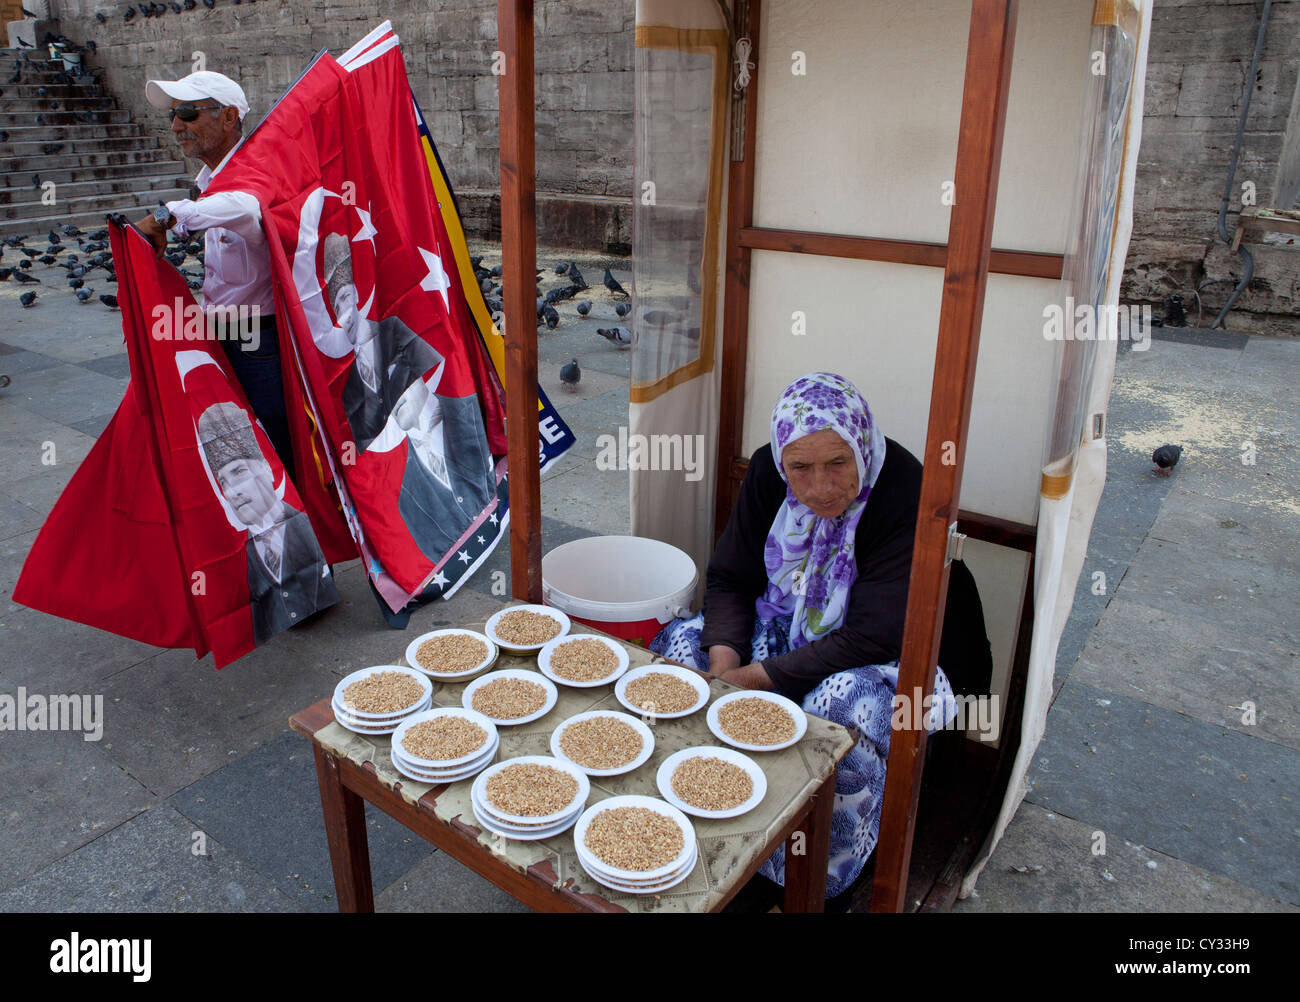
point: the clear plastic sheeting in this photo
(680, 115)
(1089, 282)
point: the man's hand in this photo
(156, 234)
(751, 676)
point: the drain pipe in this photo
(1232, 174)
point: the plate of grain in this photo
(603, 742)
(634, 838)
(662, 692)
(511, 696)
(582, 660)
(448, 654)
(532, 790)
(445, 737)
(383, 694)
(524, 629)
(757, 721)
(712, 782)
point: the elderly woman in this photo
(807, 592)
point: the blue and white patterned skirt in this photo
(860, 699)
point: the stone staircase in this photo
(107, 163)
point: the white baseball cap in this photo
(197, 87)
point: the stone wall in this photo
(584, 87)
(1199, 56)
(1196, 76)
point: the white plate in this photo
(528, 835)
(647, 742)
(426, 692)
(590, 861)
(414, 646)
(800, 719)
(444, 711)
(664, 780)
(644, 887)
(544, 660)
(693, 678)
(475, 796)
(447, 775)
(528, 675)
(346, 719)
(481, 761)
(545, 610)
(584, 788)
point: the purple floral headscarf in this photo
(809, 559)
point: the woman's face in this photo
(821, 472)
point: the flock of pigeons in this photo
(547, 314)
(81, 261)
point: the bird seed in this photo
(634, 838)
(450, 654)
(755, 721)
(383, 692)
(712, 784)
(660, 692)
(526, 629)
(530, 790)
(508, 698)
(444, 738)
(600, 743)
(584, 660)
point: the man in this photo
(389, 357)
(288, 579)
(207, 113)
(442, 490)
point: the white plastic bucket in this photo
(628, 586)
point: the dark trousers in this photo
(260, 375)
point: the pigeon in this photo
(5, 273)
(551, 317)
(109, 301)
(69, 230)
(584, 307)
(541, 304)
(575, 277)
(83, 295)
(571, 375)
(41, 91)
(76, 283)
(1174, 315)
(561, 294)
(495, 272)
(55, 238)
(100, 17)
(189, 4)
(176, 8)
(27, 298)
(494, 305)
(561, 269)
(48, 259)
(24, 278)
(209, 4)
(4, 135)
(176, 258)
(486, 285)
(611, 283)
(36, 180)
(1166, 458)
(25, 265)
(619, 336)
(49, 149)
(623, 309)
(30, 251)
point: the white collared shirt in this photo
(236, 261)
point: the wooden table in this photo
(354, 769)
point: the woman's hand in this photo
(722, 659)
(750, 676)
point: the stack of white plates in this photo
(379, 723)
(444, 770)
(638, 881)
(528, 829)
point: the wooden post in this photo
(519, 257)
(979, 155)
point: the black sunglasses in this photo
(189, 112)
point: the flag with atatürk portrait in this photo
(393, 373)
(181, 528)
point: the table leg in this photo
(805, 872)
(345, 828)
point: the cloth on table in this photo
(858, 698)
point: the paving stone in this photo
(18, 362)
(265, 807)
(554, 533)
(1197, 667)
(156, 862)
(93, 426)
(1209, 796)
(441, 884)
(60, 792)
(598, 500)
(66, 393)
(114, 366)
(1046, 863)
(17, 518)
(32, 445)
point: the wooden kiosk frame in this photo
(967, 259)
